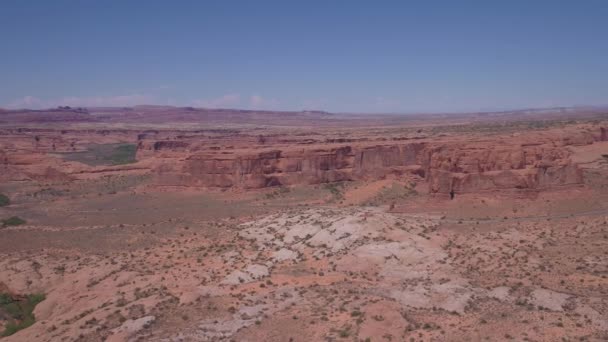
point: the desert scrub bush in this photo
(336, 189)
(20, 311)
(345, 332)
(395, 192)
(13, 221)
(279, 192)
(4, 200)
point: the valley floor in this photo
(353, 262)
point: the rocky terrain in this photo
(261, 157)
(164, 224)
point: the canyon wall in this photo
(465, 166)
(226, 159)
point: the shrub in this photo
(4, 200)
(21, 311)
(13, 221)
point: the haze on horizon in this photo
(341, 57)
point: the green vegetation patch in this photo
(13, 221)
(394, 193)
(4, 200)
(19, 310)
(336, 189)
(292, 195)
(104, 154)
(277, 193)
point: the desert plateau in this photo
(226, 225)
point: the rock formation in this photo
(248, 158)
(462, 166)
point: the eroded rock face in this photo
(226, 159)
(462, 166)
(468, 169)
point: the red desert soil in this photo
(182, 224)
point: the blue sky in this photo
(344, 56)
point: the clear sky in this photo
(353, 56)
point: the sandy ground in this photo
(173, 266)
(120, 257)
